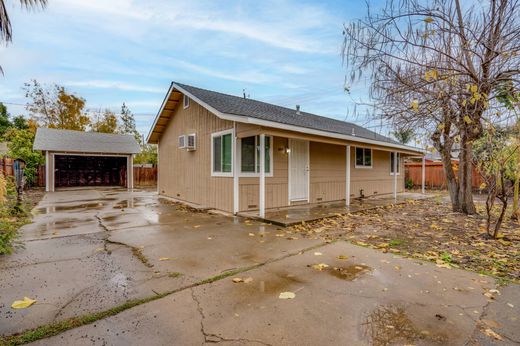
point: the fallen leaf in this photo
(22, 304)
(318, 254)
(489, 332)
(342, 257)
(251, 234)
(320, 266)
(287, 295)
(237, 280)
(164, 259)
(510, 305)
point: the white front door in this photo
(298, 170)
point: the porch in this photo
(286, 178)
(294, 215)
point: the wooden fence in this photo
(435, 178)
(145, 176)
(6, 166)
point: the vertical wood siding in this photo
(186, 175)
(276, 187)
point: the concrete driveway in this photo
(91, 250)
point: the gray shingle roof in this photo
(235, 105)
(84, 142)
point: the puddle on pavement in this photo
(131, 203)
(59, 208)
(390, 325)
(60, 225)
(349, 273)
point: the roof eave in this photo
(267, 123)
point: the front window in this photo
(392, 163)
(363, 158)
(222, 153)
(250, 155)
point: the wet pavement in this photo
(311, 212)
(382, 300)
(92, 250)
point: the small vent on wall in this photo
(252, 206)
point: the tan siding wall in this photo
(276, 188)
(327, 174)
(186, 175)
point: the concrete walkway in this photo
(298, 214)
(91, 250)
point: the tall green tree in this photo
(127, 125)
(5, 123)
(53, 107)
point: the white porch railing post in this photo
(262, 176)
(347, 182)
(423, 172)
(130, 171)
(235, 176)
(47, 172)
(395, 175)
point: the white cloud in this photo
(106, 84)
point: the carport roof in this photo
(84, 142)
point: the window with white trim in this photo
(392, 163)
(250, 155)
(186, 101)
(363, 158)
(222, 153)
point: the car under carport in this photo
(86, 159)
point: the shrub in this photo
(408, 183)
(12, 217)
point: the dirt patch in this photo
(429, 230)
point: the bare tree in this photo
(435, 65)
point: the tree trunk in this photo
(515, 215)
(466, 177)
(451, 180)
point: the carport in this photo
(86, 159)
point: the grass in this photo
(396, 242)
(174, 275)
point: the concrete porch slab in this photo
(294, 215)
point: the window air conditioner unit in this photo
(182, 142)
(192, 142)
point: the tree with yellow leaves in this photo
(434, 67)
(52, 106)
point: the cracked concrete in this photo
(367, 298)
(394, 301)
(90, 250)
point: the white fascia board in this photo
(273, 124)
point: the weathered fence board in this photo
(435, 178)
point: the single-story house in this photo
(77, 158)
(237, 154)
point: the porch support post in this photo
(262, 176)
(235, 176)
(130, 171)
(47, 172)
(423, 172)
(347, 182)
(395, 175)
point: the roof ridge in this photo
(267, 103)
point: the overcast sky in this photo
(109, 52)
